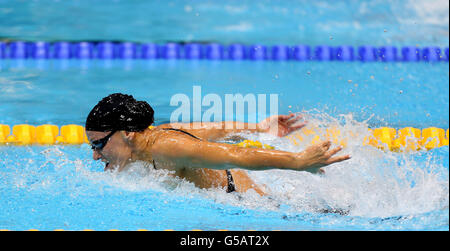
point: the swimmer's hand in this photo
(319, 155)
(281, 125)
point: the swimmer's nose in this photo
(96, 155)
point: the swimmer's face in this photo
(116, 152)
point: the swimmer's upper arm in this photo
(179, 151)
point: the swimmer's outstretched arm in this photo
(180, 151)
(279, 125)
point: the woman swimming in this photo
(118, 129)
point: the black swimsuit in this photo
(231, 187)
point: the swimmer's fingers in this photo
(285, 118)
(297, 127)
(293, 119)
(326, 145)
(332, 151)
(319, 155)
(337, 159)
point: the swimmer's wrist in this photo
(298, 163)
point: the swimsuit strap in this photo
(178, 130)
(231, 186)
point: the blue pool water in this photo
(61, 187)
(395, 94)
(351, 22)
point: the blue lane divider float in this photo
(344, 53)
(257, 52)
(301, 53)
(149, 51)
(388, 54)
(280, 52)
(214, 51)
(2, 50)
(83, 50)
(367, 53)
(235, 52)
(411, 54)
(61, 50)
(323, 53)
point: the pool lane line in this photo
(386, 138)
(106, 50)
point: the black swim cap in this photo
(120, 112)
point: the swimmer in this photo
(119, 133)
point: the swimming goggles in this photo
(98, 145)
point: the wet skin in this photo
(203, 161)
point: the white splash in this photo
(373, 183)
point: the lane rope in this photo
(386, 138)
(214, 51)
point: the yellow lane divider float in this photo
(405, 139)
(43, 135)
(254, 144)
